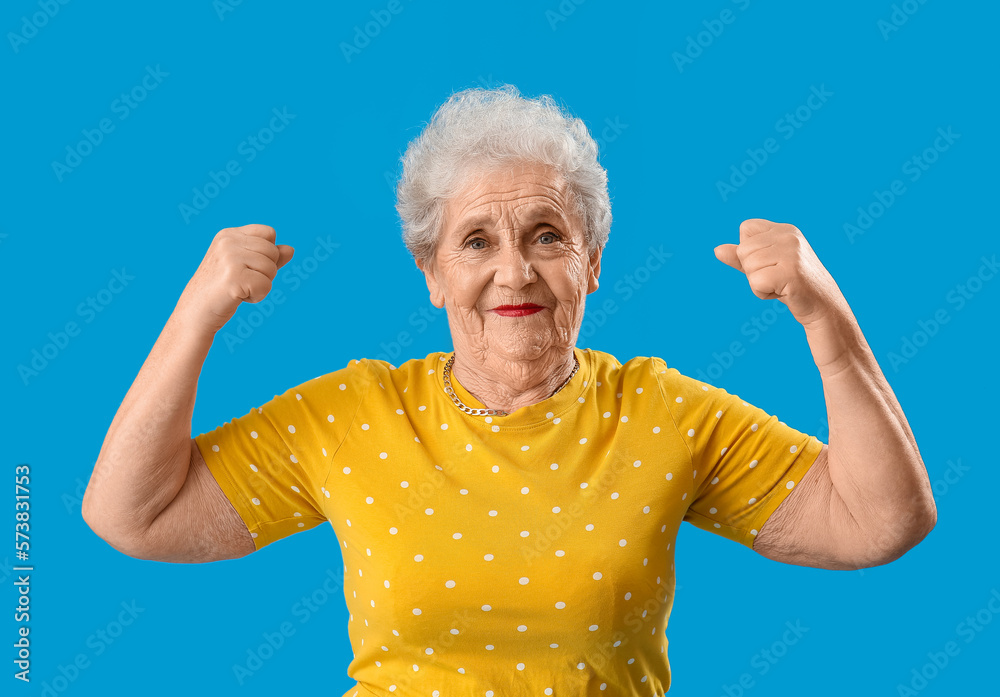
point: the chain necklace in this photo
(488, 412)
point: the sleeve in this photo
(272, 463)
(745, 461)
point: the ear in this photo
(437, 297)
(595, 270)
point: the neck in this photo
(508, 385)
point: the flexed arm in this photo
(867, 499)
(151, 495)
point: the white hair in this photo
(478, 130)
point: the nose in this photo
(513, 268)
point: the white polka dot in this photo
(560, 553)
(253, 467)
(525, 533)
(752, 501)
(556, 420)
(580, 665)
(690, 432)
(684, 496)
(723, 451)
(582, 441)
(717, 525)
(614, 495)
(365, 427)
(520, 666)
(325, 492)
(293, 458)
(449, 584)
(553, 466)
(583, 485)
(495, 428)
(486, 608)
(793, 448)
(560, 605)
(463, 492)
(622, 543)
(329, 418)
(416, 611)
(607, 414)
(369, 500)
(581, 400)
(399, 411)
(495, 468)
(421, 407)
(754, 427)
(343, 386)
(347, 470)
(554, 646)
(522, 628)
(215, 448)
(255, 502)
(669, 475)
(624, 419)
(253, 434)
(524, 490)
(404, 484)
(429, 511)
(253, 535)
(488, 419)
(468, 447)
(548, 415)
(645, 509)
(753, 464)
(523, 580)
(418, 557)
(593, 627)
(493, 513)
(753, 532)
(457, 536)
(444, 427)
(393, 531)
(638, 390)
(637, 463)
(713, 509)
(597, 575)
(488, 557)
(556, 509)
(386, 583)
(324, 451)
(295, 489)
(656, 429)
(715, 480)
(789, 485)
(679, 400)
(524, 447)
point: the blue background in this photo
(329, 174)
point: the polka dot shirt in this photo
(522, 554)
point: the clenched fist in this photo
(239, 266)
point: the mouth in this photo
(517, 310)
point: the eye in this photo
(473, 241)
(553, 235)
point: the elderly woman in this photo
(507, 510)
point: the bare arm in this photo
(150, 478)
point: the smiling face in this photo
(512, 237)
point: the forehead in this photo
(526, 191)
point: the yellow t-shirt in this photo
(528, 554)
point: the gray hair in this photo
(480, 129)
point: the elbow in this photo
(920, 528)
(97, 518)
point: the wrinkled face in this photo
(512, 237)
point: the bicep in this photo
(200, 524)
(813, 527)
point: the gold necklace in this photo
(489, 412)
